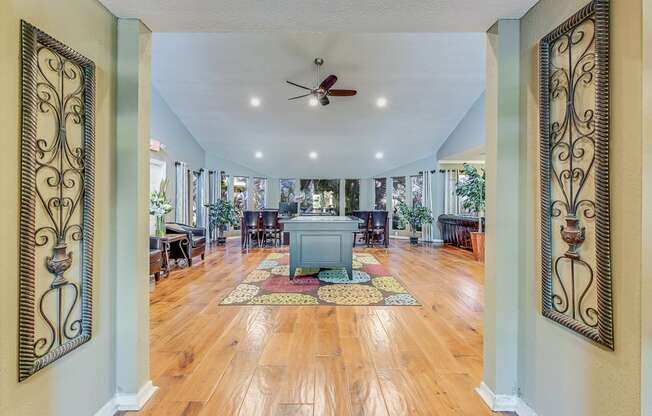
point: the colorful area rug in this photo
(269, 284)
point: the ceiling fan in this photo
(323, 90)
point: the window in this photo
(320, 195)
(288, 187)
(417, 191)
(351, 195)
(240, 194)
(380, 194)
(224, 186)
(398, 195)
(258, 194)
(194, 188)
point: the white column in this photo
(132, 216)
(502, 213)
(342, 196)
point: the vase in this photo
(160, 226)
(477, 243)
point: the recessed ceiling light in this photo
(258, 155)
(381, 102)
(255, 102)
(379, 155)
(312, 155)
(313, 102)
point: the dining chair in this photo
(271, 227)
(363, 227)
(379, 227)
(252, 227)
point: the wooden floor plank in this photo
(331, 387)
(211, 360)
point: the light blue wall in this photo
(469, 134)
(179, 144)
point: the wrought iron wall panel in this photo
(57, 193)
(574, 161)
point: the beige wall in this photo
(83, 381)
(646, 266)
(560, 373)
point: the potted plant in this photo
(472, 190)
(415, 217)
(220, 214)
(159, 206)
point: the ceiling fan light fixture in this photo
(319, 93)
(381, 102)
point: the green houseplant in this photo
(220, 214)
(415, 217)
(159, 206)
(472, 190)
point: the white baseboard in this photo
(503, 402)
(124, 402)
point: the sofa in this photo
(196, 242)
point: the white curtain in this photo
(212, 186)
(201, 185)
(452, 204)
(427, 230)
(181, 193)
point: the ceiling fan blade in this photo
(328, 82)
(300, 96)
(342, 93)
(297, 85)
(324, 100)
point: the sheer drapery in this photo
(200, 199)
(427, 230)
(212, 186)
(181, 193)
(452, 202)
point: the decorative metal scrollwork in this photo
(574, 152)
(57, 190)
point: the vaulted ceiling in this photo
(430, 80)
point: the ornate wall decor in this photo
(574, 152)
(56, 212)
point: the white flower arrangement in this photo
(158, 201)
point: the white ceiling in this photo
(430, 81)
(319, 16)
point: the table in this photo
(321, 242)
(166, 241)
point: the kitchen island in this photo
(321, 242)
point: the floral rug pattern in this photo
(269, 284)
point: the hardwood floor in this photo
(319, 360)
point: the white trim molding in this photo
(128, 402)
(503, 402)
